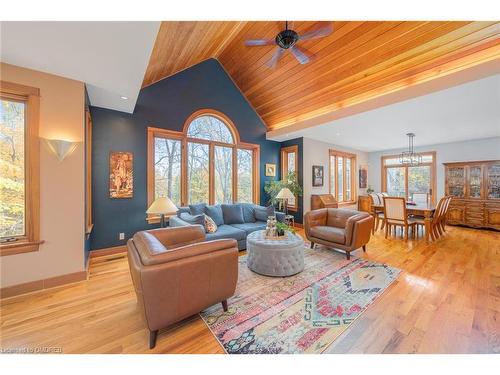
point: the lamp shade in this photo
(162, 205)
(285, 193)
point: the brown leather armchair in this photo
(176, 273)
(343, 229)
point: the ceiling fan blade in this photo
(259, 42)
(318, 33)
(301, 55)
(276, 56)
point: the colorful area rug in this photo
(304, 313)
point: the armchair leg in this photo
(364, 248)
(152, 338)
(348, 255)
(312, 245)
(224, 305)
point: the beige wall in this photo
(317, 153)
(62, 196)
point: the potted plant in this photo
(281, 228)
(272, 188)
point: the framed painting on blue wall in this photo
(121, 175)
(271, 170)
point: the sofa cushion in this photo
(227, 231)
(193, 219)
(215, 212)
(251, 227)
(197, 209)
(248, 212)
(181, 210)
(330, 234)
(233, 213)
(210, 226)
(261, 213)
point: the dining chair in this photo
(444, 213)
(420, 198)
(436, 219)
(396, 216)
(379, 215)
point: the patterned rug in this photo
(304, 313)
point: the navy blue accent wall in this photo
(298, 215)
(165, 104)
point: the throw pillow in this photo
(233, 214)
(197, 209)
(248, 212)
(261, 213)
(193, 219)
(210, 226)
(215, 212)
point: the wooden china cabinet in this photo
(475, 188)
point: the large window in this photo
(204, 163)
(343, 176)
(289, 164)
(404, 181)
(19, 169)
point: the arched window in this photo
(204, 163)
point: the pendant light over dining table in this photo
(410, 157)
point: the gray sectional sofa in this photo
(233, 220)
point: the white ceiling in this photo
(110, 57)
(468, 111)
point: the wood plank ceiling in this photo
(358, 61)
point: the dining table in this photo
(425, 210)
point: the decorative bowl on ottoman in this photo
(282, 256)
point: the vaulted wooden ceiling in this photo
(358, 61)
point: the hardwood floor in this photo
(447, 300)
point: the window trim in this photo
(31, 240)
(431, 164)
(294, 149)
(154, 132)
(354, 166)
(88, 172)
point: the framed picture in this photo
(318, 176)
(363, 176)
(121, 175)
(271, 170)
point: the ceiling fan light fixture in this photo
(287, 39)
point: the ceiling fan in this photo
(287, 40)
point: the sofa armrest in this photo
(358, 229)
(314, 218)
(192, 250)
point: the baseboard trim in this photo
(51, 282)
(108, 251)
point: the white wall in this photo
(480, 149)
(317, 153)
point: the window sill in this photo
(19, 247)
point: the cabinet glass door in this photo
(475, 181)
(456, 181)
(493, 181)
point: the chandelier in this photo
(410, 157)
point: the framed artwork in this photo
(121, 175)
(363, 176)
(271, 170)
(318, 175)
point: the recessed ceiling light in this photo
(124, 97)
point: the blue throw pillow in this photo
(182, 210)
(233, 214)
(215, 212)
(193, 219)
(248, 212)
(197, 209)
(261, 213)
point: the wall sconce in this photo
(60, 148)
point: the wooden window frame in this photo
(354, 163)
(399, 165)
(88, 172)
(294, 149)
(154, 132)
(31, 96)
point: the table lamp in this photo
(285, 194)
(162, 206)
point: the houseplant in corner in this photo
(272, 188)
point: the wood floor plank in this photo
(446, 300)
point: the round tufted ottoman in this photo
(281, 257)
